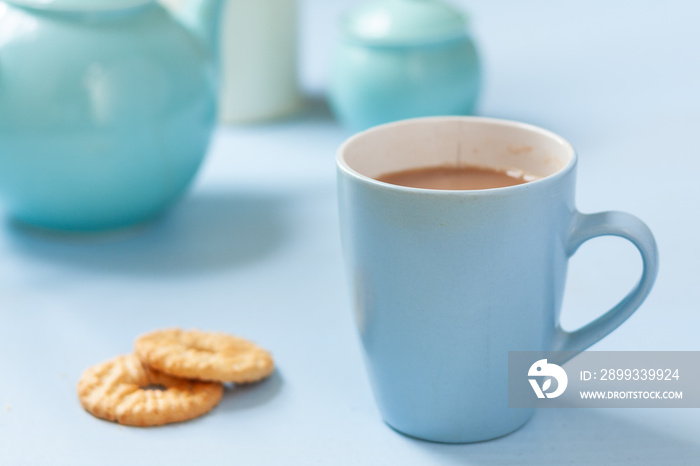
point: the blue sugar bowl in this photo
(399, 59)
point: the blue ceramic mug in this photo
(445, 283)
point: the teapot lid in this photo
(79, 5)
(403, 22)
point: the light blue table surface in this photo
(254, 250)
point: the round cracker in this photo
(119, 390)
(210, 356)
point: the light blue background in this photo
(254, 250)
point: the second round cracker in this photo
(211, 356)
(119, 390)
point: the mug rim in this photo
(344, 167)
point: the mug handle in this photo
(624, 225)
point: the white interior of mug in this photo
(456, 141)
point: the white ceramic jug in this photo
(258, 59)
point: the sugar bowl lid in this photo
(403, 22)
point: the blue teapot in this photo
(106, 108)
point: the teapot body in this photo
(105, 116)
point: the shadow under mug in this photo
(445, 283)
